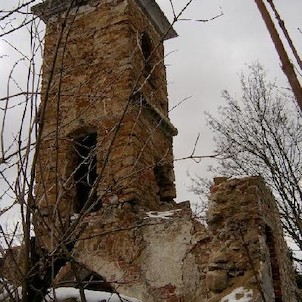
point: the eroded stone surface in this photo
(170, 256)
(133, 234)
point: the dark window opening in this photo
(147, 49)
(146, 46)
(86, 169)
(274, 264)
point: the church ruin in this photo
(104, 176)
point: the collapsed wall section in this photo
(169, 256)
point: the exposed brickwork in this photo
(169, 256)
(99, 84)
(107, 92)
(241, 211)
(178, 259)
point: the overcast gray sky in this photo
(210, 58)
(205, 59)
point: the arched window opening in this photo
(146, 46)
(147, 50)
(274, 264)
(86, 169)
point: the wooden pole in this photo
(287, 66)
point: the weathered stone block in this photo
(216, 281)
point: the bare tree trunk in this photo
(287, 66)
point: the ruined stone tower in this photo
(106, 137)
(104, 209)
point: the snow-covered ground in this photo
(239, 294)
(162, 215)
(63, 293)
(11, 293)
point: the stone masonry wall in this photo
(169, 256)
(240, 212)
(103, 75)
(93, 70)
(89, 87)
(155, 86)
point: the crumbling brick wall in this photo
(248, 239)
(104, 88)
(170, 256)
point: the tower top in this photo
(49, 8)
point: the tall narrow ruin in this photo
(106, 137)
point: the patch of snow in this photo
(12, 292)
(162, 215)
(63, 293)
(239, 294)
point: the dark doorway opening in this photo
(86, 169)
